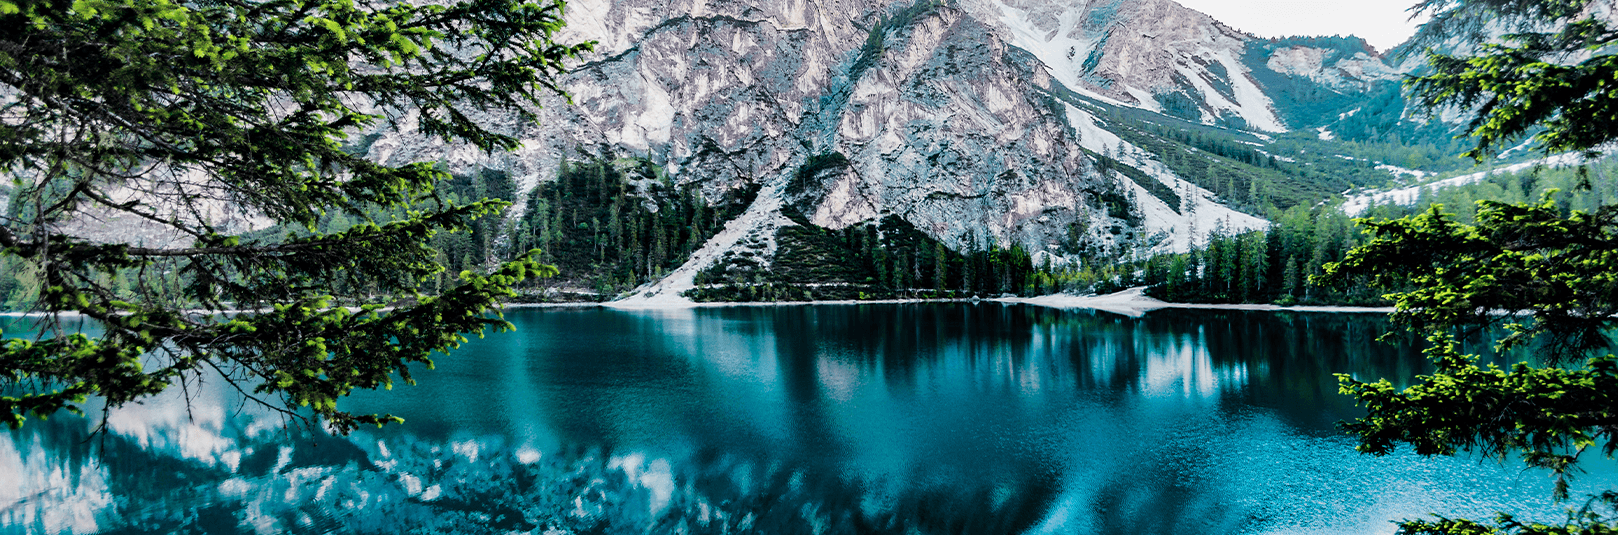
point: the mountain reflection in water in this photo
(935, 418)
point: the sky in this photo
(1383, 23)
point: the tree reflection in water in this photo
(936, 418)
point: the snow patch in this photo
(1276, 156)
(760, 221)
(1199, 214)
(1357, 204)
(1252, 104)
(1052, 47)
(1400, 171)
(1520, 147)
(1064, 48)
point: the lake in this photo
(894, 418)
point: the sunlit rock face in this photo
(947, 125)
(1152, 54)
(952, 115)
(718, 92)
(1328, 67)
(953, 130)
(948, 115)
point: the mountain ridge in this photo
(980, 122)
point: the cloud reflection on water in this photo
(942, 418)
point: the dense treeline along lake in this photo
(943, 418)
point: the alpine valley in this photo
(848, 149)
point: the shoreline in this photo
(1132, 302)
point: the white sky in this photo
(1383, 23)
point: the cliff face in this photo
(1151, 54)
(1331, 68)
(969, 119)
(952, 129)
(941, 121)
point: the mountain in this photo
(1075, 131)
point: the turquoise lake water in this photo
(930, 418)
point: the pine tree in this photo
(250, 101)
(969, 266)
(1290, 278)
(615, 224)
(884, 268)
(1560, 269)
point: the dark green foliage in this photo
(1374, 114)
(887, 259)
(611, 224)
(1318, 155)
(1262, 267)
(804, 179)
(870, 52)
(1116, 203)
(1221, 78)
(1243, 177)
(1380, 118)
(1591, 519)
(1259, 175)
(1179, 104)
(1301, 102)
(475, 248)
(1561, 271)
(1090, 275)
(250, 104)
(1521, 87)
(1230, 269)
(991, 270)
(1544, 271)
(1585, 188)
(1548, 415)
(1302, 241)
(1556, 278)
(1093, 60)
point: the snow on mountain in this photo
(954, 116)
(1181, 227)
(1151, 54)
(951, 129)
(1357, 204)
(753, 230)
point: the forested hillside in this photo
(612, 224)
(1275, 266)
(1264, 174)
(609, 224)
(885, 259)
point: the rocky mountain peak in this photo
(978, 122)
(1153, 54)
